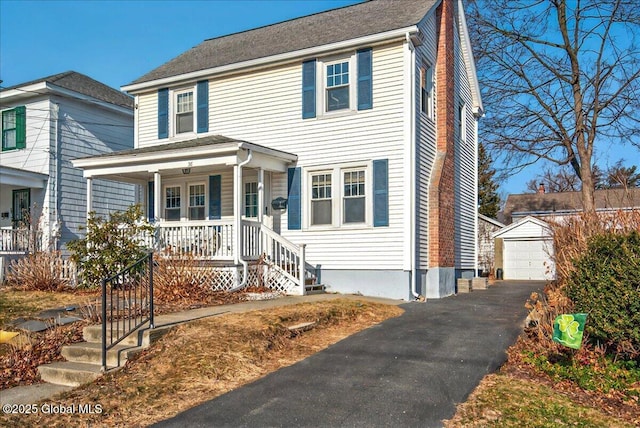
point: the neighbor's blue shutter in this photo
(21, 127)
(151, 202)
(365, 87)
(380, 192)
(163, 113)
(203, 106)
(294, 204)
(215, 197)
(309, 89)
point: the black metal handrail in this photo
(127, 303)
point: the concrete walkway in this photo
(409, 371)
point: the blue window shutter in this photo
(21, 127)
(309, 89)
(163, 113)
(365, 87)
(151, 202)
(381, 192)
(215, 197)
(294, 204)
(203, 106)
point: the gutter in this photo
(238, 225)
(410, 130)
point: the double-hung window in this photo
(184, 112)
(321, 206)
(337, 89)
(251, 199)
(196, 202)
(172, 203)
(354, 207)
(426, 90)
(13, 129)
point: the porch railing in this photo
(19, 241)
(127, 303)
(203, 240)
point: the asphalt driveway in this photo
(409, 371)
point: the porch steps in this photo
(314, 288)
(84, 359)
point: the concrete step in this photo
(69, 373)
(140, 337)
(88, 352)
(314, 289)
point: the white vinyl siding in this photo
(425, 141)
(274, 120)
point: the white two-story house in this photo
(340, 146)
(46, 123)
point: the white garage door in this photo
(525, 260)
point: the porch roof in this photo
(21, 177)
(196, 154)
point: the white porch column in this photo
(237, 214)
(157, 195)
(89, 195)
(260, 195)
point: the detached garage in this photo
(524, 250)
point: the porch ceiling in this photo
(23, 178)
(200, 154)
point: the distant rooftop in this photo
(336, 25)
(567, 202)
(82, 84)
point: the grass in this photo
(505, 400)
(15, 303)
(204, 359)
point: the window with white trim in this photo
(184, 117)
(337, 89)
(14, 128)
(426, 90)
(196, 201)
(321, 206)
(172, 203)
(251, 199)
(353, 204)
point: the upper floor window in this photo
(337, 84)
(14, 129)
(426, 90)
(184, 112)
(462, 121)
(337, 92)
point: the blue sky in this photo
(116, 42)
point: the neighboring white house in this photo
(487, 227)
(46, 123)
(524, 248)
(344, 142)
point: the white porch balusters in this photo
(302, 269)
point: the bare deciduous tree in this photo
(560, 78)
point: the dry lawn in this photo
(204, 359)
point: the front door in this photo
(21, 203)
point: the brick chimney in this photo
(541, 189)
(442, 187)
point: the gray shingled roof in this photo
(541, 203)
(85, 85)
(336, 25)
(209, 140)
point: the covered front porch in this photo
(22, 194)
(210, 198)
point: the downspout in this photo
(412, 166)
(54, 229)
(238, 224)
